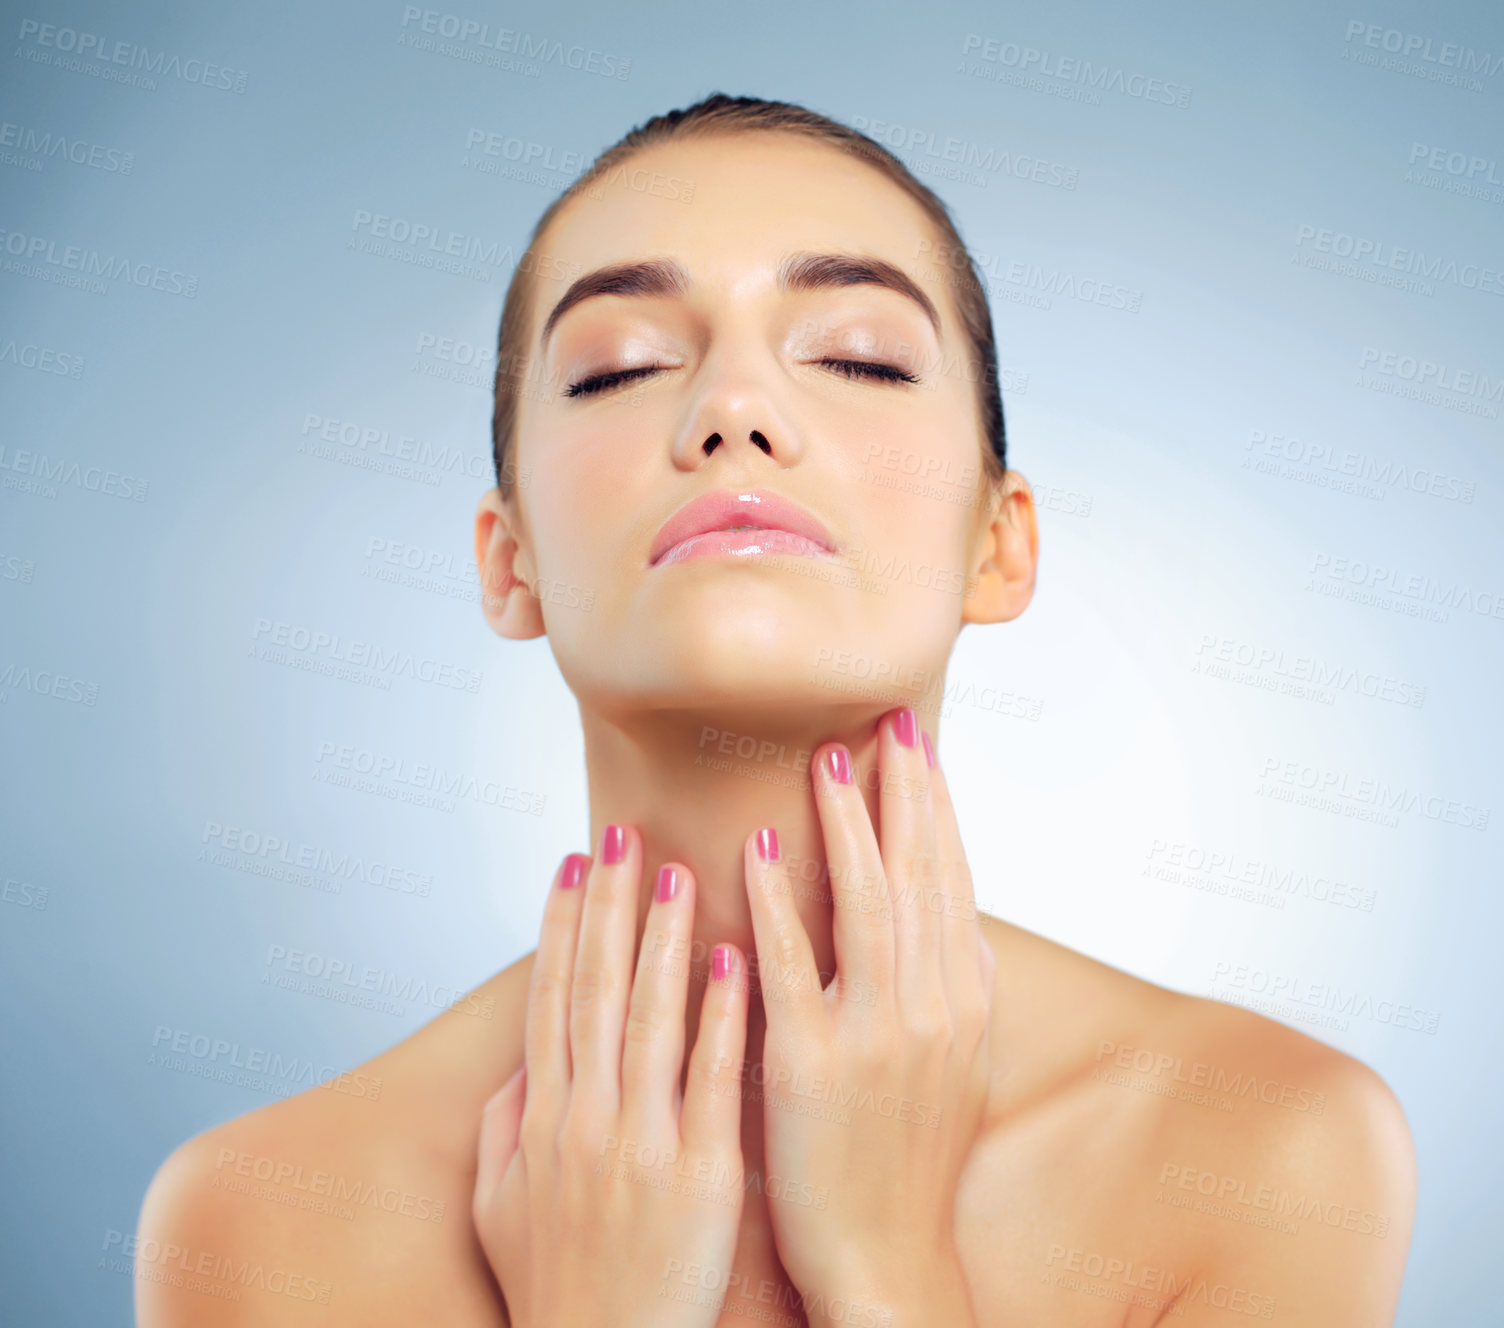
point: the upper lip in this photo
(725, 509)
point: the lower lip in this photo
(744, 544)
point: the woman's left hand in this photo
(874, 1086)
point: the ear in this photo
(508, 605)
(1006, 555)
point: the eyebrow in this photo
(797, 273)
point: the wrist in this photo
(931, 1292)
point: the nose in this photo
(736, 408)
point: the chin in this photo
(713, 662)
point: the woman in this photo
(768, 1063)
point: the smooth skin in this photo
(1113, 1108)
(902, 1033)
(580, 1200)
(605, 1193)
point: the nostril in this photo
(762, 442)
(712, 443)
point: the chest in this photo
(1059, 1220)
(1048, 1231)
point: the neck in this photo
(696, 786)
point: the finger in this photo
(710, 1120)
(546, 1031)
(500, 1123)
(906, 833)
(961, 922)
(862, 912)
(653, 1050)
(603, 968)
(786, 971)
(989, 968)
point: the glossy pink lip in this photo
(717, 514)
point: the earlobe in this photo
(509, 606)
(1001, 583)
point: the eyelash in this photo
(846, 368)
(870, 369)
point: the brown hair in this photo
(721, 114)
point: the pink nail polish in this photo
(767, 844)
(838, 762)
(720, 962)
(929, 750)
(574, 870)
(905, 727)
(613, 844)
(668, 884)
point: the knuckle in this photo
(591, 987)
(537, 1137)
(858, 882)
(971, 1029)
(925, 867)
(703, 1072)
(710, 1067)
(545, 989)
(786, 954)
(929, 1026)
(581, 1137)
(645, 1025)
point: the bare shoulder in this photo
(1314, 1163)
(353, 1196)
(1234, 1148)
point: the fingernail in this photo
(668, 884)
(721, 962)
(838, 762)
(905, 726)
(767, 844)
(613, 844)
(574, 869)
(929, 750)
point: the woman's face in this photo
(739, 397)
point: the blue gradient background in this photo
(1147, 416)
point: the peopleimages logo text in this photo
(1361, 250)
(38, 249)
(93, 47)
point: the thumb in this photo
(500, 1122)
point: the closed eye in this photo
(870, 369)
(601, 382)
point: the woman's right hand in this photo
(604, 1195)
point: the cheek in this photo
(588, 499)
(920, 492)
(612, 450)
